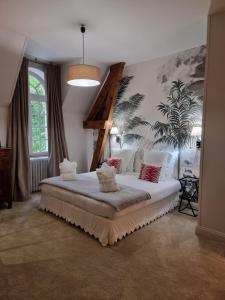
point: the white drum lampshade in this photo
(114, 130)
(196, 131)
(83, 75)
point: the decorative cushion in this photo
(106, 177)
(116, 163)
(150, 173)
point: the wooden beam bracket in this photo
(100, 116)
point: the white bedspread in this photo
(102, 220)
(157, 191)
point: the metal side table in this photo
(189, 195)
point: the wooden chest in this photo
(5, 176)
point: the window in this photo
(38, 130)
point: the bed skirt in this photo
(108, 231)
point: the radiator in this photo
(38, 170)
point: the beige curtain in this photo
(56, 134)
(17, 137)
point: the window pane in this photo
(35, 120)
(35, 133)
(35, 86)
(43, 133)
(38, 110)
(43, 108)
(43, 146)
(32, 90)
(36, 146)
(40, 90)
(35, 106)
(33, 82)
(43, 120)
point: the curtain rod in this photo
(38, 61)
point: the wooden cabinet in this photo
(5, 176)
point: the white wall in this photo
(212, 187)
(77, 102)
(76, 138)
(3, 124)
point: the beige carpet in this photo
(42, 257)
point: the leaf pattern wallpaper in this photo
(125, 116)
(160, 100)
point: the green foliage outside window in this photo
(39, 131)
(35, 87)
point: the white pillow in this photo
(138, 160)
(127, 158)
(170, 170)
(158, 159)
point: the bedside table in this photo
(189, 195)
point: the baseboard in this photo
(210, 233)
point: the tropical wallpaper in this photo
(160, 101)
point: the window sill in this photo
(39, 157)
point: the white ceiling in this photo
(117, 30)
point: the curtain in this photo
(17, 136)
(56, 133)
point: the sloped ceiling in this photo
(131, 31)
(11, 52)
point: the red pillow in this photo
(150, 173)
(114, 162)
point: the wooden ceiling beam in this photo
(99, 149)
(100, 116)
(97, 124)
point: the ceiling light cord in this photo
(83, 48)
(82, 29)
(82, 74)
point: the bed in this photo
(102, 220)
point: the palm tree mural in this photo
(182, 111)
(124, 114)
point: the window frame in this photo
(37, 98)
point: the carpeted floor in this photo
(42, 257)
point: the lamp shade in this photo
(83, 75)
(196, 131)
(114, 130)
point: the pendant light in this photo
(82, 74)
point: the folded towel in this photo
(107, 170)
(107, 179)
(67, 166)
(68, 176)
(68, 170)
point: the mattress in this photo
(157, 191)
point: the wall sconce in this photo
(197, 132)
(114, 131)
